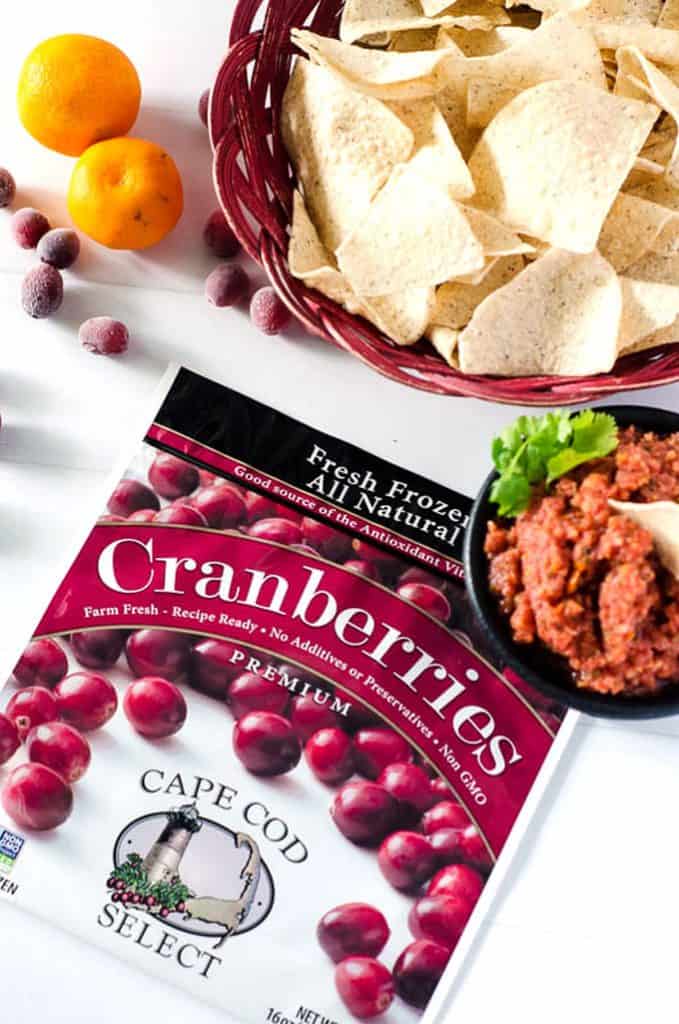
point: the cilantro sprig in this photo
(534, 449)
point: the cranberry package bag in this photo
(257, 731)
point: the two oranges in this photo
(79, 95)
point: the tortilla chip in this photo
(661, 519)
(382, 74)
(665, 336)
(669, 15)
(521, 329)
(413, 236)
(638, 78)
(402, 317)
(647, 307)
(552, 7)
(456, 302)
(658, 44)
(362, 19)
(417, 39)
(636, 11)
(478, 43)
(661, 192)
(558, 182)
(495, 237)
(343, 147)
(444, 341)
(632, 226)
(436, 156)
(433, 7)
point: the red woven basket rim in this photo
(254, 183)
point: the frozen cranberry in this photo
(330, 755)
(266, 744)
(447, 844)
(268, 312)
(250, 692)
(31, 706)
(368, 552)
(328, 541)
(60, 747)
(364, 812)
(440, 790)
(219, 237)
(86, 700)
(99, 648)
(311, 713)
(417, 575)
(378, 748)
(206, 478)
(427, 598)
(180, 515)
(363, 568)
(222, 506)
(7, 188)
(104, 336)
(406, 860)
(474, 850)
(441, 919)
(9, 739)
(446, 814)
(42, 291)
(171, 477)
(280, 531)
(418, 971)
(360, 717)
(456, 880)
(365, 986)
(159, 652)
(35, 797)
(203, 105)
(410, 785)
(43, 663)
(227, 285)
(214, 665)
(28, 227)
(352, 929)
(144, 515)
(131, 496)
(59, 247)
(260, 507)
(155, 707)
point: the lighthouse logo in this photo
(192, 873)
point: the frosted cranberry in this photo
(417, 575)
(9, 739)
(418, 971)
(31, 706)
(456, 880)
(28, 227)
(100, 648)
(410, 785)
(447, 844)
(7, 188)
(159, 652)
(43, 663)
(427, 598)
(227, 285)
(214, 665)
(222, 506)
(352, 929)
(268, 312)
(308, 716)
(266, 744)
(42, 291)
(328, 541)
(250, 692)
(280, 531)
(364, 812)
(219, 237)
(474, 850)
(35, 797)
(260, 507)
(86, 700)
(154, 707)
(180, 515)
(406, 860)
(131, 496)
(365, 986)
(203, 105)
(330, 755)
(378, 748)
(104, 336)
(171, 477)
(59, 247)
(60, 747)
(446, 814)
(440, 790)
(363, 568)
(441, 919)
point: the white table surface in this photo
(585, 925)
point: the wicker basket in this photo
(254, 183)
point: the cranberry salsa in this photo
(254, 717)
(576, 574)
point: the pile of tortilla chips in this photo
(501, 180)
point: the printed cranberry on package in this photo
(257, 730)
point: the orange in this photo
(75, 90)
(125, 193)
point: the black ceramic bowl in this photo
(542, 669)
